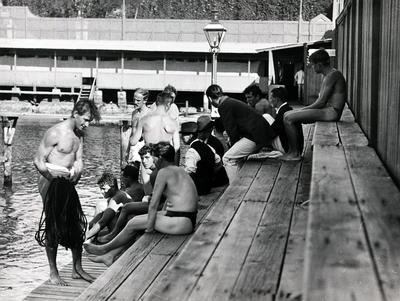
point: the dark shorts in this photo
(190, 215)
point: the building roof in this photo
(145, 46)
(292, 45)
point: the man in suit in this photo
(280, 142)
(278, 100)
(247, 130)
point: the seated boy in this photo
(130, 176)
(180, 214)
(140, 205)
(115, 199)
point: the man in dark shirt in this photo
(247, 130)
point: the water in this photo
(23, 263)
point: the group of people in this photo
(158, 194)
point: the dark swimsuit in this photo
(190, 215)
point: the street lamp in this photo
(215, 33)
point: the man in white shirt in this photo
(299, 81)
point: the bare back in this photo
(179, 189)
(334, 89)
(157, 128)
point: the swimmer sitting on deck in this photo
(59, 162)
(116, 199)
(180, 214)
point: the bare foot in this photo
(290, 157)
(56, 280)
(106, 238)
(79, 273)
(94, 249)
(92, 232)
(106, 259)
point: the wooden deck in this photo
(256, 242)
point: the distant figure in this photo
(158, 126)
(254, 98)
(140, 98)
(328, 106)
(116, 198)
(299, 82)
(180, 214)
(248, 131)
(59, 162)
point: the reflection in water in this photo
(23, 263)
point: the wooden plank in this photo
(107, 283)
(180, 278)
(351, 134)
(290, 285)
(380, 206)
(338, 265)
(76, 286)
(221, 272)
(219, 276)
(326, 133)
(161, 255)
(259, 276)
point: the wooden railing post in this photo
(9, 125)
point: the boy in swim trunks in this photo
(63, 222)
(180, 209)
(116, 198)
(328, 106)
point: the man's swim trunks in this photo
(63, 221)
(190, 215)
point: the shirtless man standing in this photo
(140, 98)
(59, 162)
(328, 106)
(180, 206)
(158, 126)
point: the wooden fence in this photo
(368, 43)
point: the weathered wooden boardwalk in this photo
(256, 242)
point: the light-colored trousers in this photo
(235, 156)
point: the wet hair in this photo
(143, 92)
(253, 89)
(144, 150)
(280, 93)
(214, 92)
(164, 98)
(164, 150)
(107, 178)
(131, 171)
(320, 56)
(83, 106)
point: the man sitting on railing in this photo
(180, 208)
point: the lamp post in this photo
(215, 33)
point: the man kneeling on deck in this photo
(180, 207)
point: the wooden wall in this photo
(368, 43)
